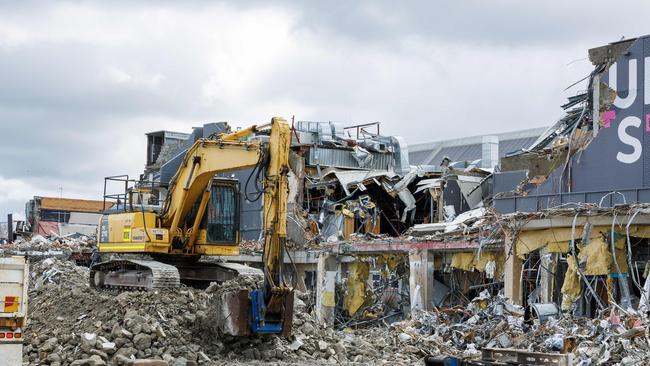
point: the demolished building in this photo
(63, 216)
(565, 225)
(574, 202)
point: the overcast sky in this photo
(81, 82)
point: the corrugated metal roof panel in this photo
(470, 140)
(468, 152)
(509, 146)
(418, 157)
(340, 158)
(456, 153)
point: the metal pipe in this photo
(10, 228)
(622, 281)
(195, 161)
(582, 275)
(200, 213)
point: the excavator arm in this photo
(268, 306)
(277, 293)
(202, 162)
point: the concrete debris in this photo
(54, 245)
(72, 324)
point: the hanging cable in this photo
(575, 257)
(635, 279)
(600, 204)
(258, 170)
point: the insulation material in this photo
(355, 294)
(621, 259)
(571, 287)
(329, 286)
(388, 263)
(556, 240)
(640, 231)
(463, 260)
(597, 258)
(558, 247)
(469, 261)
(610, 290)
(496, 258)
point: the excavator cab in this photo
(220, 224)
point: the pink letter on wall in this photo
(607, 118)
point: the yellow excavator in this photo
(199, 218)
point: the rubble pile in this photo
(610, 340)
(73, 324)
(70, 323)
(313, 343)
(250, 247)
(54, 243)
(614, 339)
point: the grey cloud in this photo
(474, 21)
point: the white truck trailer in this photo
(14, 283)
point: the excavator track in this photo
(132, 274)
(135, 274)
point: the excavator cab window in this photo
(222, 214)
(221, 218)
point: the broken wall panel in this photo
(606, 133)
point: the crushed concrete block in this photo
(108, 346)
(142, 341)
(295, 345)
(323, 346)
(404, 337)
(96, 360)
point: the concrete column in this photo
(421, 279)
(325, 288)
(512, 274)
(300, 281)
